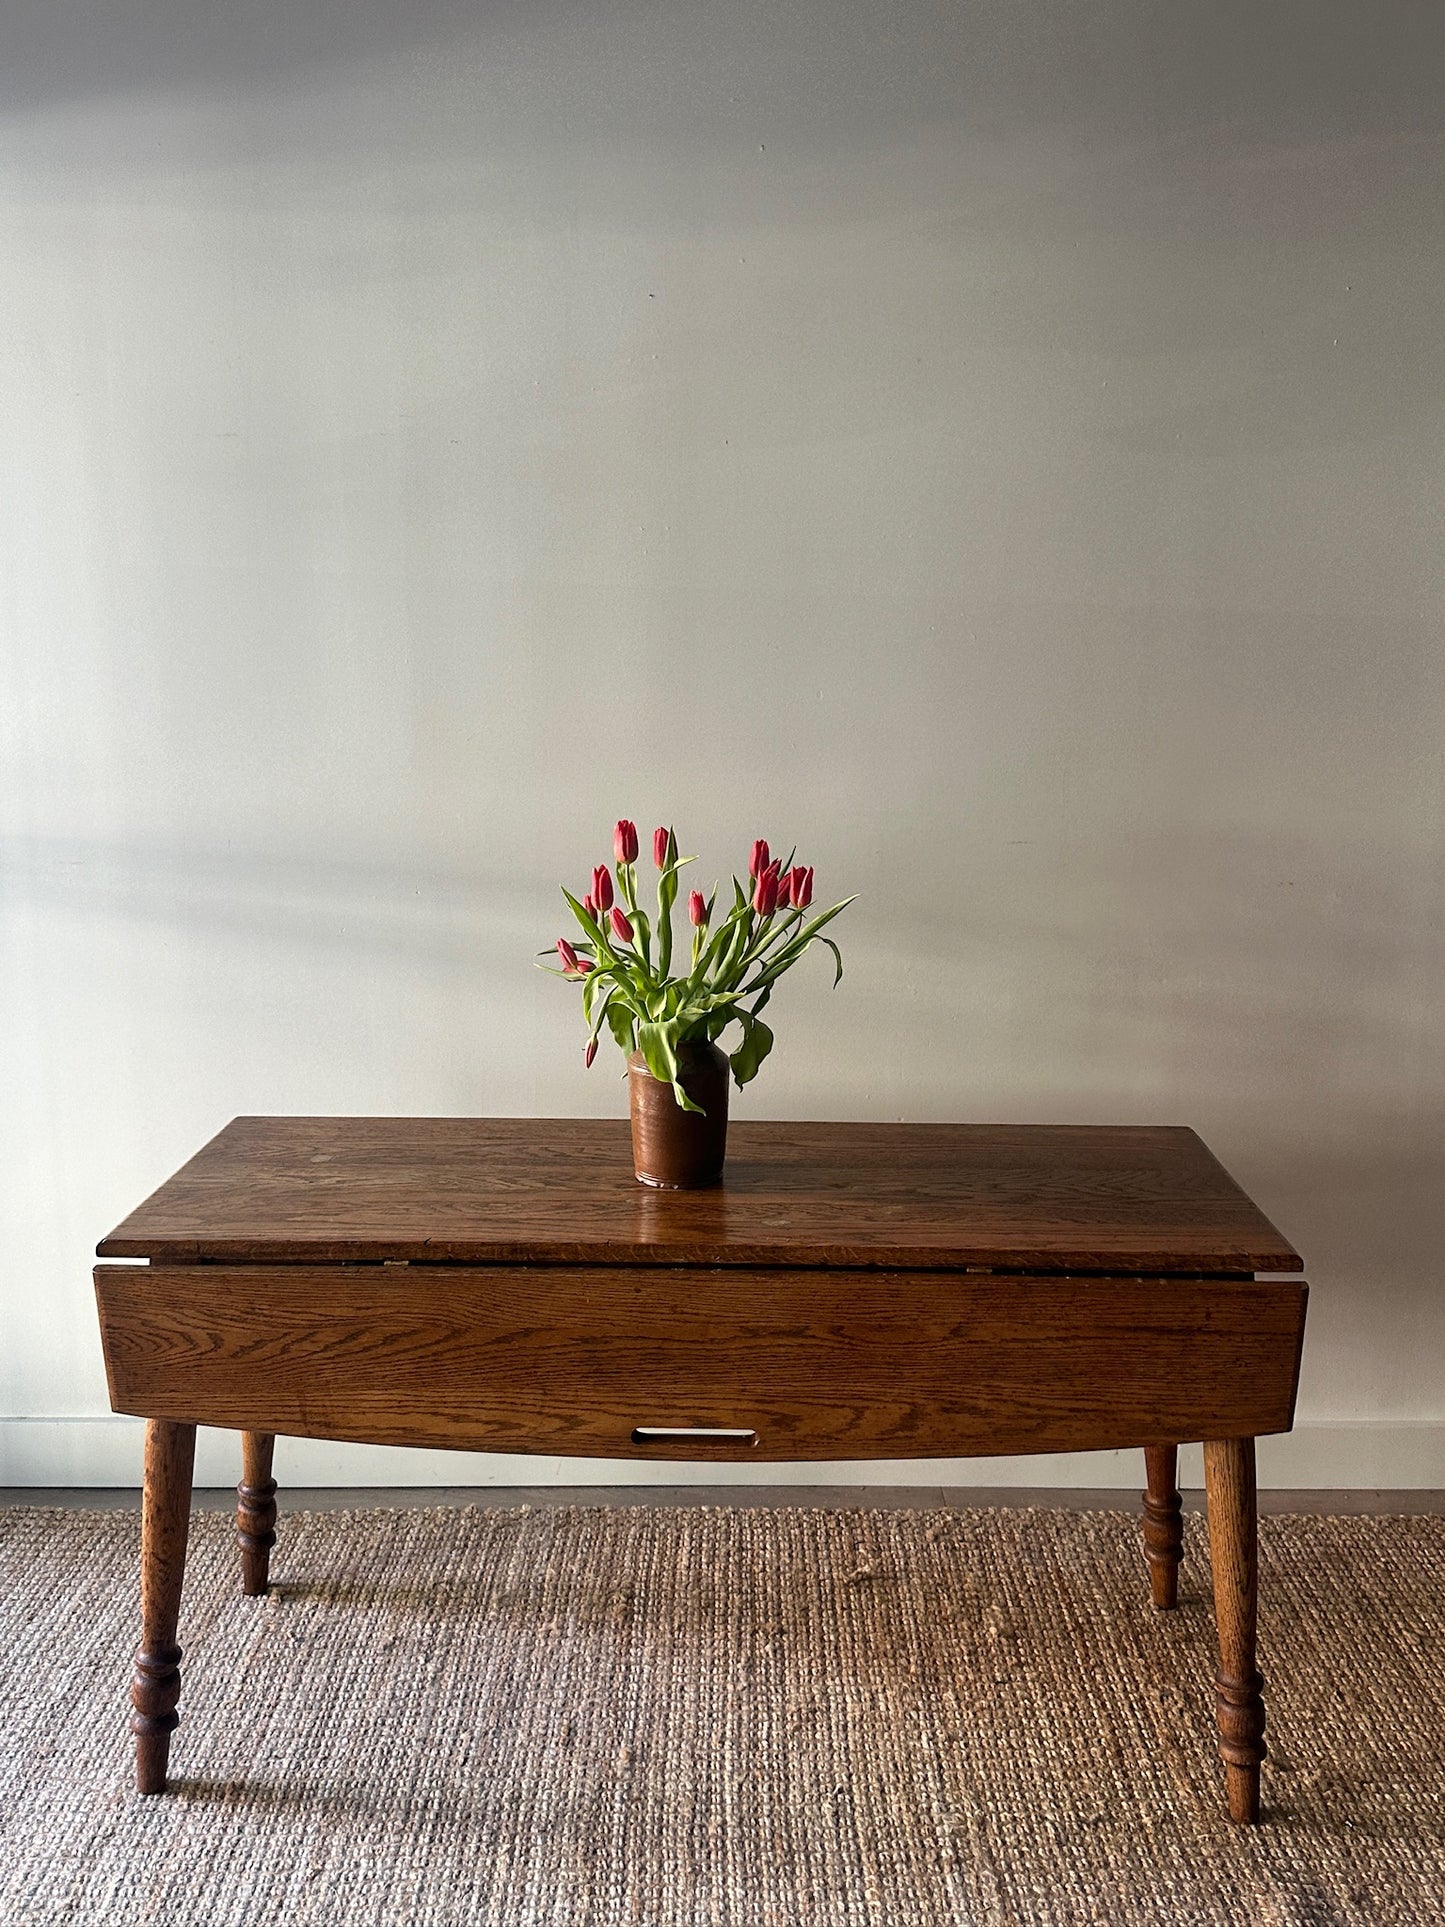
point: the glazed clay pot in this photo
(674, 1149)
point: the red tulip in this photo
(765, 896)
(567, 954)
(589, 904)
(621, 926)
(662, 847)
(801, 886)
(697, 910)
(584, 964)
(589, 1053)
(758, 861)
(785, 884)
(624, 841)
(602, 890)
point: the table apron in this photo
(702, 1363)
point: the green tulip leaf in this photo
(747, 1059)
(658, 1044)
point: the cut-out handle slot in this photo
(691, 1434)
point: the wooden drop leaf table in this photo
(851, 1291)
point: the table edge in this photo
(881, 1257)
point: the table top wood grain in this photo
(1009, 1197)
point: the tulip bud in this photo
(802, 887)
(697, 910)
(584, 964)
(589, 1053)
(624, 841)
(589, 904)
(602, 890)
(758, 861)
(567, 954)
(785, 885)
(621, 926)
(765, 896)
(662, 847)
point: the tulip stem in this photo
(758, 950)
(627, 882)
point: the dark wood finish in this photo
(165, 1525)
(256, 1511)
(823, 1365)
(1163, 1524)
(486, 1190)
(849, 1291)
(1229, 1486)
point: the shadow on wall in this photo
(356, 909)
(1223, 962)
(1253, 975)
(828, 68)
(53, 51)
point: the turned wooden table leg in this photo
(1233, 1551)
(165, 1525)
(1163, 1524)
(256, 1511)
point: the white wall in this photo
(998, 445)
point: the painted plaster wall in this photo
(998, 446)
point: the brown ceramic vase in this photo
(674, 1149)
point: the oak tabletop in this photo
(1017, 1197)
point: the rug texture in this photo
(634, 1717)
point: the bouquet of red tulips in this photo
(623, 958)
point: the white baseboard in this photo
(1325, 1454)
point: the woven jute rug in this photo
(673, 1718)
